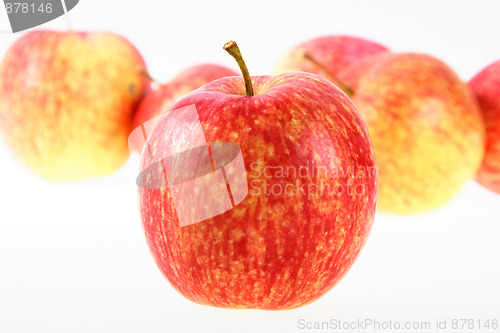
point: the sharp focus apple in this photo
(312, 195)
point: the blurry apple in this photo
(67, 99)
(334, 53)
(486, 87)
(425, 125)
(160, 98)
(311, 201)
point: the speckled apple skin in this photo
(67, 100)
(425, 126)
(486, 87)
(334, 52)
(160, 98)
(272, 252)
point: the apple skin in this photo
(425, 126)
(486, 86)
(159, 99)
(67, 100)
(272, 252)
(334, 52)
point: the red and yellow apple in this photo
(160, 98)
(425, 126)
(486, 87)
(67, 100)
(333, 52)
(310, 206)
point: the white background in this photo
(73, 257)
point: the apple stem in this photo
(233, 49)
(148, 76)
(345, 88)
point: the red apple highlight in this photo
(486, 87)
(312, 193)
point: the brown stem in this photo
(148, 76)
(233, 49)
(345, 88)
